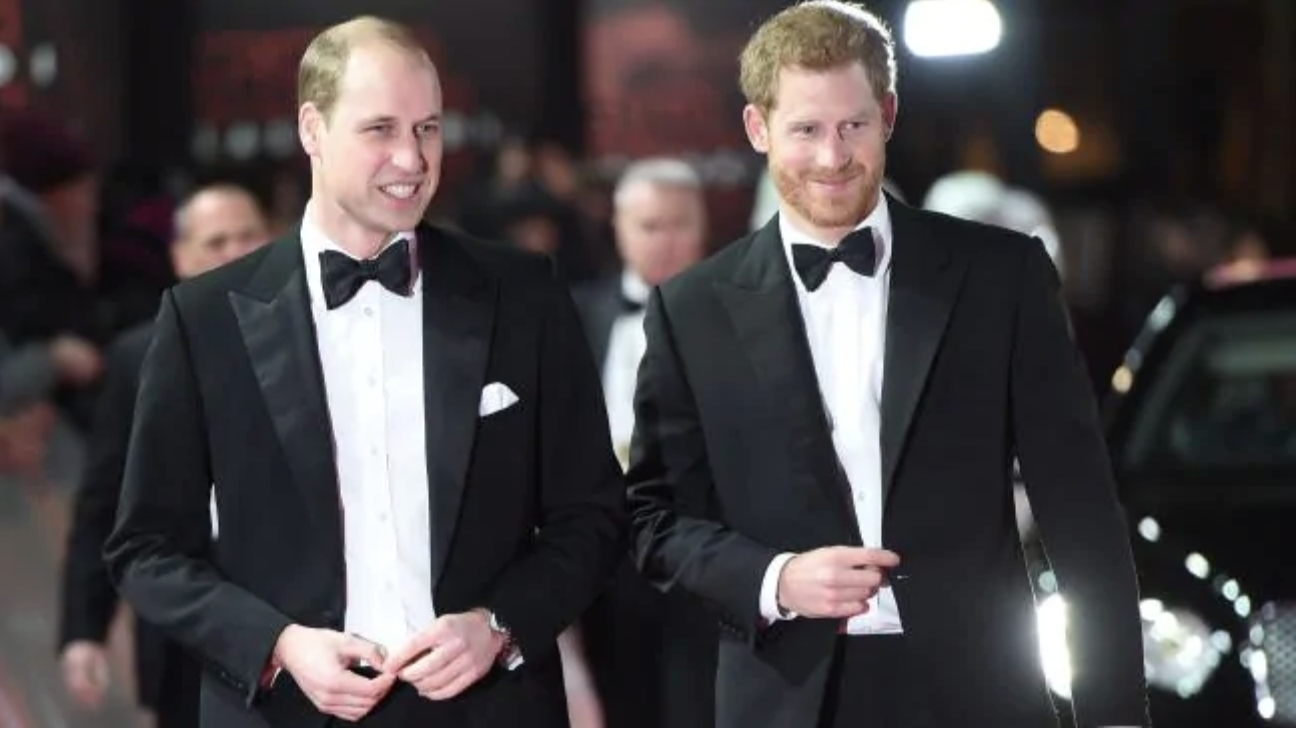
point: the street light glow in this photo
(943, 28)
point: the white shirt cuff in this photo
(769, 607)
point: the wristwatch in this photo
(510, 656)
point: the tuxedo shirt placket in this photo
(372, 360)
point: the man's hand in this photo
(834, 582)
(320, 660)
(450, 656)
(85, 672)
(76, 359)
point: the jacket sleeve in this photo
(669, 468)
(1072, 491)
(156, 554)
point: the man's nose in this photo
(833, 153)
(409, 156)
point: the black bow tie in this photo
(343, 276)
(856, 251)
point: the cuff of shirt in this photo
(769, 607)
(269, 676)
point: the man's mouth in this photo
(402, 191)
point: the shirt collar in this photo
(633, 287)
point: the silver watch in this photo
(510, 656)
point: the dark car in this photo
(1202, 431)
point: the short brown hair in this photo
(817, 35)
(324, 62)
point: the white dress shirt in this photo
(371, 351)
(626, 346)
(845, 320)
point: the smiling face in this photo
(376, 151)
(820, 81)
(825, 140)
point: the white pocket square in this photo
(494, 398)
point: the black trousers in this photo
(403, 707)
(872, 684)
(177, 690)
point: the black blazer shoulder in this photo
(720, 266)
(994, 244)
(494, 257)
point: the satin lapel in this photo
(762, 303)
(925, 278)
(278, 331)
(458, 316)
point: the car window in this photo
(1224, 397)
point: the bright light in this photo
(1267, 706)
(1162, 314)
(1048, 581)
(1051, 615)
(1180, 651)
(1258, 663)
(1149, 529)
(1242, 606)
(1151, 608)
(1197, 565)
(1057, 132)
(940, 28)
(1122, 380)
(1257, 635)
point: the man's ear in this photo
(890, 108)
(310, 127)
(757, 128)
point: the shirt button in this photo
(373, 381)
(368, 311)
(373, 450)
(383, 517)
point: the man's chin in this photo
(838, 219)
(405, 221)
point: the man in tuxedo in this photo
(652, 654)
(660, 222)
(214, 225)
(826, 420)
(403, 431)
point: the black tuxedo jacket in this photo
(599, 303)
(733, 463)
(165, 674)
(527, 504)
